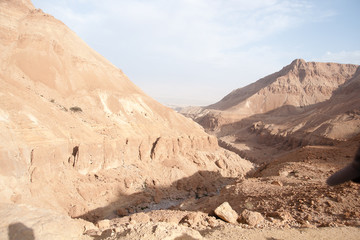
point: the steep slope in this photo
(336, 119)
(76, 134)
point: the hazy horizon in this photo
(195, 52)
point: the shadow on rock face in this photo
(200, 184)
(18, 231)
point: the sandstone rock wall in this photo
(76, 134)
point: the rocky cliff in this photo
(77, 134)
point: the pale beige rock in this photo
(277, 182)
(103, 224)
(251, 218)
(285, 216)
(139, 218)
(161, 230)
(19, 221)
(221, 164)
(225, 212)
(192, 219)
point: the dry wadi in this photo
(86, 154)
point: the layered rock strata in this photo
(76, 133)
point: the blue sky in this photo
(194, 52)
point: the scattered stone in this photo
(285, 216)
(249, 205)
(284, 173)
(92, 232)
(212, 221)
(306, 224)
(169, 219)
(122, 212)
(251, 218)
(277, 182)
(221, 164)
(192, 219)
(128, 183)
(103, 224)
(139, 218)
(158, 196)
(160, 230)
(226, 213)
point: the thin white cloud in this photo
(202, 30)
(161, 44)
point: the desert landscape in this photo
(86, 154)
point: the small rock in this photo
(127, 183)
(283, 173)
(251, 218)
(92, 232)
(249, 205)
(308, 217)
(306, 224)
(169, 219)
(226, 213)
(139, 218)
(191, 219)
(122, 212)
(285, 216)
(221, 164)
(103, 224)
(212, 222)
(277, 182)
(158, 196)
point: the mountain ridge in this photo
(293, 82)
(302, 104)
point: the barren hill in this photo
(78, 135)
(304, 103)
(79, 141)
(299, 84)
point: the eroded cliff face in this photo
(76, 133)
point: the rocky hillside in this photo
(79, 141)
(299, 84)
(78, 135)
(304, 103)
